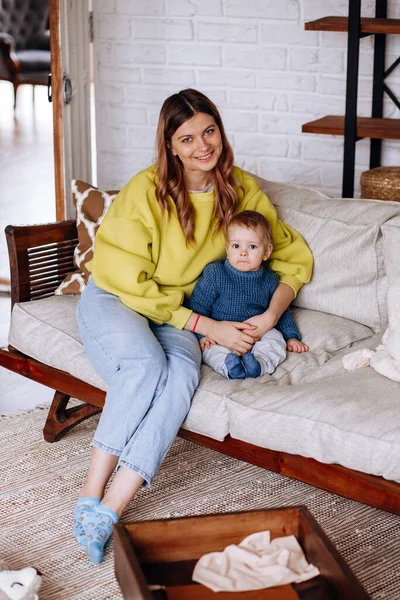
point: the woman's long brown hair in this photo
(177, 109)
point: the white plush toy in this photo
(19, 585)
(386, 358)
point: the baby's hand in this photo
(206, 342)
(294, 345)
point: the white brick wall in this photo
(255, 61)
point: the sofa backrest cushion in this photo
(345, 237)
(391, 248)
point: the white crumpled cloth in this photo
(256, 563)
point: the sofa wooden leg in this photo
(61, 419)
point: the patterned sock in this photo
(234, 366)
(98, 525)
(251, 365)
(82, 506)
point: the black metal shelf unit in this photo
(358, 28)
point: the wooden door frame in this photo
(70, 42)
(57, 101)
(69, 46)
(58, 125)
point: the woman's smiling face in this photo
(198, 144)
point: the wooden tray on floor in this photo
(165, 552)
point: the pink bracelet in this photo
(195, 323)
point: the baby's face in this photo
(246, 248)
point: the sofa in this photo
(311, 419)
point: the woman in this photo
(164, 226)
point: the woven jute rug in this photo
(40, 483)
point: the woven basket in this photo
(382, 183)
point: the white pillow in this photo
(345, 267)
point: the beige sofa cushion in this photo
(391, 248)
(352, 419)
(47, 331)
(345, 237)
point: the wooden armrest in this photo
(40, 258)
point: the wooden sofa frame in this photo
(40, 258)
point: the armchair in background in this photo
(24, 42)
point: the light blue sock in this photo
(98, 526)
(82, 506)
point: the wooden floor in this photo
(26, 162)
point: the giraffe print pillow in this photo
(91, 206)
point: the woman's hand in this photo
(231, 334)
(238, 337)
(261, 324)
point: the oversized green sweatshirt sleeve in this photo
(123, 262)
(122, 265)
(291, 258)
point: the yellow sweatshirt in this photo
(141, 255)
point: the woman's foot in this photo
(82, 507)
(98, 526)
(251, 365)
(234, 366)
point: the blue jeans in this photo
(151, 371)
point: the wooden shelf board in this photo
(386, 129)
(368, 25)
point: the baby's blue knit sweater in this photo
(226, 294)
